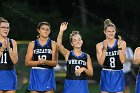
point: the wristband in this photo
(120, 48)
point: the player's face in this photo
(77, 41)
(44, 31)
(110, 32)
(4, 29)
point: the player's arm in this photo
(3, 47)
(53, 62)
(13, 52)
(29, 56)
(122, 51)
(100, 53)
(61, 48)
(137, 56)
(1, 52)
(88, 70)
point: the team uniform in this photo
(112, 76)
(8, 78)
(137, 90)
(42, 77)
(76, 83)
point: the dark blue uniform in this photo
(8, 78)
(76, 83)
(42, 77)
(137, 90)
(112, 77)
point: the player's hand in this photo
(120, 43)
(8, 44)
(104, 45)
(63, 26)
(41, 61)
(79, 71)
(4, 45)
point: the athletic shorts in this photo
(137, 84)
(8, 80)
(41, 79)
(112, 81)
(76, 86)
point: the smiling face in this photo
(110, 32)
(4, 29)
(76, 41)
(44, 31)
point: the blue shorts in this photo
(41, 79)
(76, 86)
(112, 81)
(137, 84)
(8, 80)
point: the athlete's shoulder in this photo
(53, 42)
(123, 41)
(137, 49)
(100, 44)
(12, 40)
(86, 54)
(32, 43)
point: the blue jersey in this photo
(112, 76)
(74, 62)
(137, 89)
(76, 83)
(42, 77)
(5, 60)
(44, 52)
(112, 60)
(8, 77)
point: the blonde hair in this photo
(74, 32)
(108, 23)
(3, 20)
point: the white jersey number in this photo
(43, 57)
(77, 67)
(3, 58)
(112, 62)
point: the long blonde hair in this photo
(3, 20)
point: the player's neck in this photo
(43, 39)
(3, 37)
(111, 40)
(77, 52)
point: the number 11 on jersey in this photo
(3, 58)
